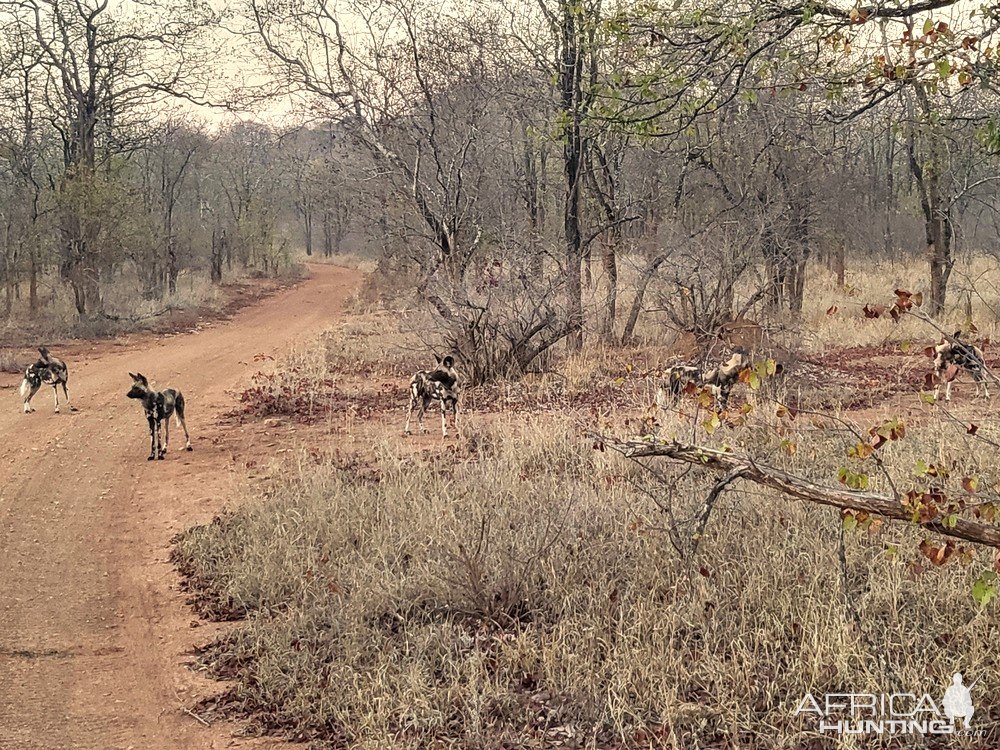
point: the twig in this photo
(713, 497)
(195, 716)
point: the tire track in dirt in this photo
(93, 630)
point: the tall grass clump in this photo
(522, 593)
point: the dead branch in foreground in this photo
(735, 464)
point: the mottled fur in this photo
(159, 405)
(438, 385)
(49, 370)
(719, 379)
(963, 356)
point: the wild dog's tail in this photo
(179, 408)
(25, 388)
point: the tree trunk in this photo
(327, 235)
(219, 251)
(648, 273)
(927, 172)
(609, 261)
(571, 104)
(307, 219)
(798, 255)
(33, 279)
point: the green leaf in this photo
(712, 423)
(928, 26)
(944, 68)
(850, 522)
(985, 588)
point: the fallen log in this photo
(735, 464)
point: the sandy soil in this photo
(94, 631)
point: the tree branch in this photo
(732, 463)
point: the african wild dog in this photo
(964, 357)
(49, 370)
(719, 379)
(159, 405)
(439, 384)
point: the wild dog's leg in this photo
(187, 437)
(454, 417)
(444, 424)
(420, 413)
(55, 392)
(947, 391)
(716, 392)
(409, 413)
(31, 391)
(66, 396)
(179, 416)
(152, 437)
(166, 437)
(160, 450)
(981, 384)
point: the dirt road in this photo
(93, 629)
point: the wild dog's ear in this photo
(133, 376)
(448, 362)
(141, 378)
(957, 334)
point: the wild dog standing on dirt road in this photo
(159, 405)
(962, 356)
(719, 379)
(439, 384)
(49, 370)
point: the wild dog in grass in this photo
(159, 405)
(953, 355)
(720, 380)
(428, 386)
(49, 370)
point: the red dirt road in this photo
(93, 629)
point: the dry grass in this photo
(516, 594)
(124, 310)
(975, 282)
(521, 589)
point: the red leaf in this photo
(832, 310)
(937, 555)
(973, 428)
